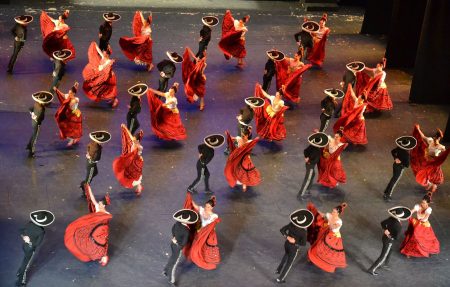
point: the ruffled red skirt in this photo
(327, 252)
(204, 251)
(331, 172)
(379, 100)
(232, 45)
(239, 166)
(317, 53)
(128, 168)
(137, 48)
(69, 124)
(420, 240)
(54, 41)
(99, 85)
(431, 174)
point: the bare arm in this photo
(91, 195)
(421, 134)
(99, 51)
(196, 207)
(265, 94)
(156, 92)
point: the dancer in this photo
(239, 168)
(246, 114)
(205, 155)
(167, 70)
(427, 158)
(232, 42)
(269, 68)
(349, 77)
(19, 31)
(317, 54)
(270, 118)
(295, 234)
(328, 105)
(327, 249)
(194, 79)
(165, 118)
(180, 237)
(59, 67)
(401, 161)
(331, 171)
(32, 235)
(420, 240)
(54, 34)
(68, 116)
(105, 30)
(134, 108)
(205, 35)
(87, 238)
(303, 38)
(312, 158)
(100, 83)
(128, 166)
(37, 112)
(140, 47)
(392, 227)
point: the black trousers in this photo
(308, 180)
(267, 80)
(202, 46)
(163, 84)
(202, 170)
(29, 252)
(397, 173)
(132, 123)
(103, 44)
(324, 121)
(383, 259)
(32, 143)
(91, 172)
(290, 253)
(55, 83)
(17, 47)
(174, 260)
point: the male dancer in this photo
(136, 92)
(105, 30)
(349, 77)
(205, 35)
(328, 104)
(167, 70)
(32, 235)
(37, 112)
(19, 32)
(401, 161)
(304, 38)
(269, 68)
(59, 66)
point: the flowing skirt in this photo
(138, 49)
(420, 240)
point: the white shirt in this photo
(433, 149)
(337, 224)
(238, 27)
(171, 102)
(204, 217)
(422, 215)
(332, 145)
(276, 108)
(146, 31)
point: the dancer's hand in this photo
(397, 161)
(26, 239)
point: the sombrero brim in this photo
(66, 55)
(210, 21)
(42, 217)
(405, 215)
(111, 17)
(360, 66)
(411, 142)
(275, 55)
(173, 58)
(340, 94)
(142, 90)
(301, 218)
(311, 26)
(106, 137)
(214, 141)
(23, 19)
(42, 100)
(180, 216)
(322, 142)
(254, 102)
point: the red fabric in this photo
(239, 166)
(317, 53)
(425, 168)
(231, 43)
(420, 240)
(165, 124)
(87, 237)
(54, 40)
(377, 98)
(292, 82)
(69, 124)
(348, 103)
(330, 168)
(99, 85)
(281, 75)
(139, 47)
(362, 80)
(313, 230)
(354, 126)
(230, 142)
(193, 77)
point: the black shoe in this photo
(9, 71)
(172, 283)
(191, 190)
(279, 281)
(208, 191)
(164, 273)
(31, 154)
(387, 198)
(373, 272)
(386, 267)
(277, 271)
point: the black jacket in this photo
(95, 151)
(402, 155)
(348, 78)
(39, 111)
(205, 33)
(35, 232)
(207, 153)
(246, 115)
(181, 234)
(299, 234)
(270, 68)
(328, 105)
(168, 67)
(135, 106)
(106, 30)
(305, 39)
(59, 69)
(20, 32)
(393, 225)
(313, 153)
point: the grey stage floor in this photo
(251, 245)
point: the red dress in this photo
(138, 48)
(69, 121)
(317, 54)
(54, 40)
(99, 84)
(166, 124)
(327, 249)
(270, 128)
(330, 168)
(292, 81)
(193, 77)
(354, 125)
(427, 169)
(232, 43)
(377, 94)
(348, 103)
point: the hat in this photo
(275, 55)
(42, 97)
(406, 142)
(174, 57)
(23, 19)
(254, 102)
(335, 93)
(400, 212)
(138, 90)
(111, 17)
(302, 218)
(100, 136)
(356, 66)
(42, 217)
(187, 216)
(62, 54)
(210, 21)
(310, 26)
(214, 141)
(318, 140)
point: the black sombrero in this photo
(210, 21)
(100, 136)
(406, 142)
(23, 19)
(43, 97)
(62, 54)
(400, 212)
(318, 140)
(174, 57)
(356, 66)
(138, 90)
(302, 218)
(335, 93)
(42, 217)
(111, 16)
(214, 141)
(275, 55)
(187, 216)
(254, 102)
(310, 26)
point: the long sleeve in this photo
(284, 230)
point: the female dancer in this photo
(194, 79)
(54, 34)
(68, 116)
(327, 249)
(427, 158)
(139, 48)
(317, 53)
(232, 42)
(331, 172)
(128, 167)
(420, 240)
(100, 81)
(165, 118)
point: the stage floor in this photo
(249, 238)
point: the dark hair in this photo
(363, 97)
(245, 131)
(212, 201)
(427, 197)
(438, 134)
(280, 91)
(340, 208)
(324, 17)
(64, 16)
(108, 51)
(73, 89)
(175, 89)
(245, 18)
(140, 135)
(340, 133)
